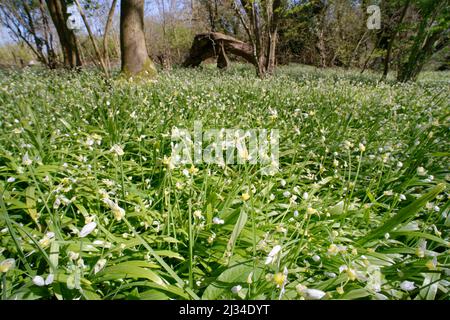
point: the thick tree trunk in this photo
(217, 45)
(135, 59)
(67, 38)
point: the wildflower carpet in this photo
(91, 206)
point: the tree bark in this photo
(48, 38)
(105, 34)
(215, 44)
(387, 59)
(135, 59)
(67, 38)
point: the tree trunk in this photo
(135, 59)
(51, 55)
(215, 44)
(105, 34)
(67, 38)
(387, 59)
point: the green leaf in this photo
(430, 284)
(153, 295)
(404, 213)
(129, 269)
(356, 294)
(31, 204)
(240, 223)
(415, 234)
(169, 254)
(231, 276)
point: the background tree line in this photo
(322, 33)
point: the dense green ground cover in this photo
(358, 208)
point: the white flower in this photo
(50, 235)
(217, 220)
(399, 164)
(87, 229)
(7, 265)
(26, 161)
(421, 171)
(316, 258)
(11, 179)
(89, 141)
(99, 265)
(402, 197)
(39, 281)
(335, 163)
(49, 279)
(236, 289)
(362, 147)
(375, 279)
(108, 182)
(250, 278)
(348, 144)
(117, 149)
(296, 213)
(309, 294)
(407, 285)
(117, 211)
(305, 195)
(198, 214)
(73, 255)
(272, 254)
(286, 194)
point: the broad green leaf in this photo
(153, 295)
(356, 294)
(231, 276)
(129, 269)
(31, 204)
(403, 214)
(240, 223)
(430, 284)
(169, 254)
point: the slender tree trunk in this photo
(105, 34)
(37, 40)
(135, 59)
(271, 56)
(387, 59)
(51, 55)
(67, 38)
(91, 36)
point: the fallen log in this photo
(217, 45)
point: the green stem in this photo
(122, 178)
(180, 282)
(191, 246)
(4, 286)
(53, 217)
